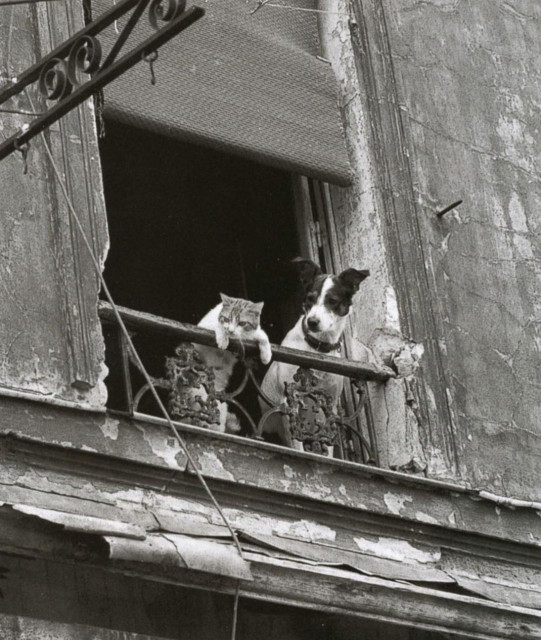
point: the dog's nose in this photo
(313, 323)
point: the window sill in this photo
(142, 451)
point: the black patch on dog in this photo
(312, 294)
(339, 297)
(307, 270)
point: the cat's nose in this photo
(313, 323)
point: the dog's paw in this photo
(265, 353)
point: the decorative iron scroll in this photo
(73, 72)
(309, 412)
(192, 395)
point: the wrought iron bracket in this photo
(61, 73)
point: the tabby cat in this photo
(238, 318)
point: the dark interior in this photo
(187, 223)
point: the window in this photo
(187, 223)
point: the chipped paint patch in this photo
(392, 317)
(400, 550)
(85, 447)
(288, 471)
(211, 465)
(424, 517)
(163, 447)
(395, 503)
(306, 530)
(110, 428)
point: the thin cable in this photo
(286, 6)
(21, 112)
(10, 3)
(235, 612)
(124, 330)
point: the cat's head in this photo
(239, 317)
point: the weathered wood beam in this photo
(140, 453)
(186, 332)
(293, 583)
(23, 628)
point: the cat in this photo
(237, 318)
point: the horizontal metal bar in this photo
(190, 333)
(106, 76)
(97, 25)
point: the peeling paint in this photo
(424, 517)
(165, 447)
(210, 464)
(392, 319)
(306, 530)
(109, 428)
(395, 502)
(401, 550)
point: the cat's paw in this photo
(232, 424)
(265, 353)
(222, 340)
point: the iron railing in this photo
(310, 414)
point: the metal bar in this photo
(191, 333)
(96, 83)
(370, 424)
(124, 34)
(97, 25)
(125, 358)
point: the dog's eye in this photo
(311, 297)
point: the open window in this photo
(187, 223)
(203, 193)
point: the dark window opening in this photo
(185, 224)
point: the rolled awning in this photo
(244, 83)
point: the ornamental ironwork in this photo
(309, 413)
(74, 71)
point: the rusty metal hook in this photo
(151, 59)
(23, 148)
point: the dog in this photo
(327, 304)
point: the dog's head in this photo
(328, 298)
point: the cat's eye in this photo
(244, 323)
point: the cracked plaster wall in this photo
(50, 337)
(375, 323)
(469, 91)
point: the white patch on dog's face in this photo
(327, 320)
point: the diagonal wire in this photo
(10, 3)
(126, 334)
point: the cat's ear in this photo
(225, 298)
(352, 278)
(258, 306)
(307, 271)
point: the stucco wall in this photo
(466, 77)
(469, 86)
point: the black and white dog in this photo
(327, 303)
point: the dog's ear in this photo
(307, 271)
(352, 278)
